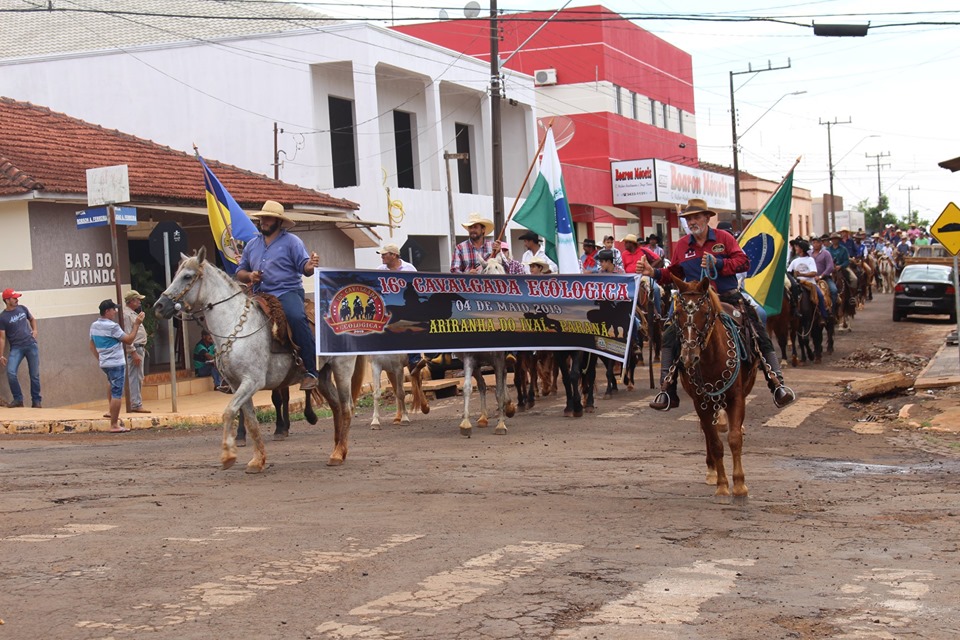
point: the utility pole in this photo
(447, 157)
(910, 217)
(877, 157)
(833, 213)
(495, 132)
(733, 126)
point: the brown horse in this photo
(714, 375)
(783, 326)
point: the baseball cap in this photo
(10, 293)
(133, 293)
(106, 305)
(390, 247)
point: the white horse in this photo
(247, 357)
(393, 364)
(471, 368)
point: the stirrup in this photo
(663, 402)
(783, 395)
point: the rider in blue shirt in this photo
(275, 262)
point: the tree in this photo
(876, 218)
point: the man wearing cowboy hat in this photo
(19, 326)
(275, 262)
(653, 243)
(841, 260)
(540, 265)
(688, 262)
(132, 306)
(470, 255)
(825, 267)
(531, 241)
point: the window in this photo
(464, 169)
(618, 96)
(666, 116)
(653, 112)
(403, 139)
(634, 109)
(343, 151)
(680, 119)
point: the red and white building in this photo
(622, 105)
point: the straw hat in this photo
(630, 237)
(273, 209)
(696, 205)
(835, 236)
(542, 263)
(476, 218)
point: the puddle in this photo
(826, 469)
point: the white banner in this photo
(650, 180)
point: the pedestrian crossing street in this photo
(868, 605)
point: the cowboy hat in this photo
(541, 262)
(133, 293)
(273, 209)
(835, 236)
(390, 247)
(630, 237)
(696, 205)
(476, 218)
(842, 229)
(529, 235)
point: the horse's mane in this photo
(687, 287)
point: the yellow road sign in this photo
(946, 229)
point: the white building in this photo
(361, 112)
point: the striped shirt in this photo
(106, 335)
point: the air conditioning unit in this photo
(544, 77)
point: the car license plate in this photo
(923, 303)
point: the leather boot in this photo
(782, 394)
(667, 398)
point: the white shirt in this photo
(803, 264)
(404, 266)
(530, 255)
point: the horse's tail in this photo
(356, 382)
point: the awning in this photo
(362, 232)
(952, 165)
(616, 212)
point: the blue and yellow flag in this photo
(231, 227)
(765, 243)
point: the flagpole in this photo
(223, 218)
(744, 230)
(525, 179)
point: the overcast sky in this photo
(897, 83)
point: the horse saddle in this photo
(280, 328)
(735, 318)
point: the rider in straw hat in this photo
(703, 249)
(280, 272)
(470, 255)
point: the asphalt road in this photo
(600, 527)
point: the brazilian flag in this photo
(765, 243)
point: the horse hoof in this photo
(375, 427)
(241, 443)
(567, 413)
(630, 387)
(334, 462)
(425, 409)
(252, 468)
(281, 435)
(466, 431)
(578, 414)
(501, 430)
(510, 409)
(482, 423)
(589, 409)
(226, 464)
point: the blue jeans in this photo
(17, 354)
(209, 369)
(833, 290)
(292, 302)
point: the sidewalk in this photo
(196, 409)
(943, 369)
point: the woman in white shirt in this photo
(804, 268)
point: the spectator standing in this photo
(106, 345)
(133, 303)
(588, 259)
(19, 327)
(653, 243)
(608, 245)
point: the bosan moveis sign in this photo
(651, 180)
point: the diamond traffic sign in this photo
(946, 229)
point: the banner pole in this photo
(525, 179)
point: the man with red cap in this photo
(19, 326)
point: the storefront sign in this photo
(633, 181)
(88, 269)
(98, 217)
(651, 180)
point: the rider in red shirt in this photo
(687, 262)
